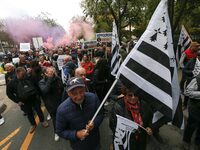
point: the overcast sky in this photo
(60, 10)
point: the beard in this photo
(79, 102)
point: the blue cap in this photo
(74, 82)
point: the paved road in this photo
(14, 133)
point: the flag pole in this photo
(105, 98)
(140, 126)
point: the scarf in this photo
(135, 112)
(134, 109)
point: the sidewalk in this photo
(172, 139)
(2, 79)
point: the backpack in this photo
(25, 90)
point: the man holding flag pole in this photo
(149, 71)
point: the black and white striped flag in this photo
(183, 42)
(115, 61)
(146, 70)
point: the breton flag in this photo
(146, 70)
(115, 61)
(123, 132)
(183, 42)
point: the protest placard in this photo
(24, 47)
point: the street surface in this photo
(14, 133)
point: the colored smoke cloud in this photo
(24, 29)
(49, 43)
(81, 28)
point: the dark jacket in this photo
(146, 114)
(71, 118)
(51, 89)
(12, 92)
(9, 76)
(101, 78)
(189, 67)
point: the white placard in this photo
(105, 37)
(123, 132)
(25, 47)
(15, 60)
(60, 61)
(37, 42)
(90, 44)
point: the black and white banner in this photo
(123, 132)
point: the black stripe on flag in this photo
(164, 109)
(185, 40)
(154, 53)
(187, 46)
(149, 76)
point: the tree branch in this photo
(124, 9)
(111, 11)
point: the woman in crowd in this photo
(135, 109)
(88, 65)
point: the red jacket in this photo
(189, 54)
(89, 67)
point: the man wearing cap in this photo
(74, 115)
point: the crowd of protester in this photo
(72, 92)
(38, 79)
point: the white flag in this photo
(123, 132)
